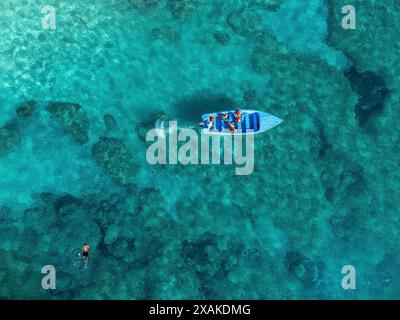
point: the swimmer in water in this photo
(85, 252)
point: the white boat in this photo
(251, 122)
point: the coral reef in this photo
(165, 32)
(116, 159)
(372, 91)
(306, 271)
(144, 4)
(26, 109)
(10, 136)
(110, 122)
(72, 118)
(245, 22)
(222, 37)
(147, 124)
(271, 5)
(179, 8)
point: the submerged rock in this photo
(26, 109)
(203, 255)
(115, 158)
(10, 135)
(48, 219)
(271, 5)
(245, 22)
(5, 215)
(196, 252)
(144, 4)
(306, 271)
(344, 226)
(63, 207)
(372, 91)
(46, 197)
(66, 204)
(268, 56)
(179, 8)
(110, 122)
(165, 32)
(148, 124)
(250, 96)
(222, 37)
(73, 119)
(149, 200)
(15, 287)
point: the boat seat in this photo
(218, 122)
(242, 124)
(247, 122)
(254, 120)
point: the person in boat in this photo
(210, 123)
(225, 117)
(238, 115)
(85, 252)
(232, 127)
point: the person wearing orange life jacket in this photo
(238, 115)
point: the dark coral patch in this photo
(110, 122)
(165, 32)
(147, 124)
(10, 135)
(372, 91)
(221, 37)
(116, 159)
(271, 5)
(72, 118)
(26, 109)
(245, 22)
(179, 8)
(144, 4)
(306, 271)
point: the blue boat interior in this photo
(248, 121)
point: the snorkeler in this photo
(85, 252)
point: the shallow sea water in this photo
(325, 188)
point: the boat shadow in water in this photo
(186, 112)
(190, 109)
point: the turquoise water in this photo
(77, 102)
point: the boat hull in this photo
(267, 121)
